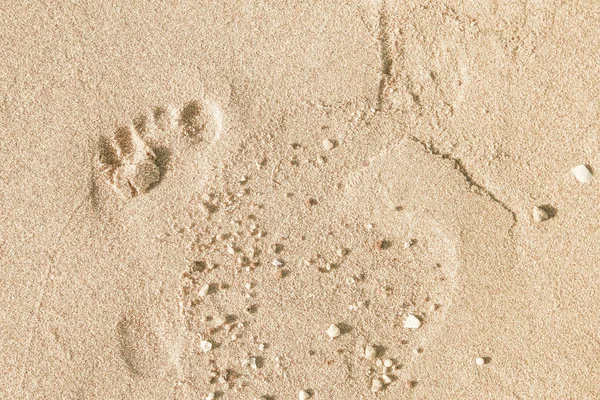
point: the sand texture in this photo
(299, 200)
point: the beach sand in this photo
(192, 193)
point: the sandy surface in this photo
(239, 176)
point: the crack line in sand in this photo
(383, 38)
(460, 167)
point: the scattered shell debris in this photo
(582, 174)
(412, 322)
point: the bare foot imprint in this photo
(135, 157)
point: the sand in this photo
(192, 193)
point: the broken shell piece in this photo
(303, 395)
(376, 385)
(333, 331)
(412, 322)
(386, 379)
(582, 174)
(328, 144)
(539, 214)
(370, 352)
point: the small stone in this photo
(408, 243)
(370, 352)
(205, 346)
(211, 396)
(382, 244)
(328, 144)
(386, 379)
(303, 395)
(279, 274)
(376, 385)
(388, 363)
(582, 174)
(412, 322)
(333, 331)
(261, 347)
(230, 249)
(480, 361)
(409, 384)
(539, 214)
(341, 252)
(379, 363)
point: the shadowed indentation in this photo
(192, 118)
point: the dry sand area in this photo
(299, 199)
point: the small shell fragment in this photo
(376, 385)
(370, 352)
(412, 322)
(479, 361)
(333, 331)
(303, 395)
(582, 174)
(386, 379)
(328, 144)
(539, 214)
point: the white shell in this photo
(582, 174)
(333, 331)
(412, 322)
(479, 361)
(206, 346)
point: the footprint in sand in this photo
(134, 158)
(142, 348)
(451, 254)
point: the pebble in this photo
(278, 274)
(408, 243)
(376, 385)
(370, 352)
(303, 395)
(582, 174)
(412, 322)
(210, 396)
(205, 346)
(388, 363)
(386, 379)
(328, 144)
(539, 214)
(333, 331)
(479, 361)
(253, 363)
